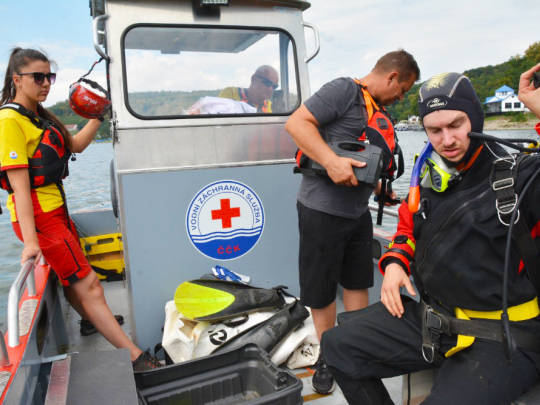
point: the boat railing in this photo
(97, 33)
(4, 356)
(386, 211)
(26, 275)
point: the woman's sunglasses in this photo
(39, 77)
(267, 82)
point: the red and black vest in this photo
(379, 131)
(49, 162)
(260, 108)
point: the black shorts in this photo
(333, 250)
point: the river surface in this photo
(88, 187)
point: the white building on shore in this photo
(504, 100)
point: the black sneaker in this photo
(322, 381)
(88, 329)
(146, 362)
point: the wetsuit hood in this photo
(453, 91)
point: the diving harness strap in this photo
(504, 172)
(435, 324)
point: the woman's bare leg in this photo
(88, 296)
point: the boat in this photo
(174, 162)
(402, 126)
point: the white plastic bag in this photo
(180, 335)
(219, 105)
(184, 339)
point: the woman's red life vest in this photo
(379, 131)
(49, 162)
(261, 108)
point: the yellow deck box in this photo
(105, 254)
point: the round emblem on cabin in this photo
(225, 220)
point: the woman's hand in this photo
(395, 278)
(31, 249)
(20, 182)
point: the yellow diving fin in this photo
(216, 300)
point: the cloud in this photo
(65, 78)
(442, 35)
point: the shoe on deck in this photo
(88, 329)
(322, 381)
(146, 362)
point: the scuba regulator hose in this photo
(414, 189)
(506, 141)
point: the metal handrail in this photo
(27, 272)
(317, 42)
(386, 211)
(4, 356)
(97, 33)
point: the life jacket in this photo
(379, 131)
(260, 108)
(49, 162)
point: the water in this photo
(88, 187)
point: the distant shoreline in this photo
(504, 124)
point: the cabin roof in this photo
(504, 88)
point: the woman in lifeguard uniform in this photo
(35, 148)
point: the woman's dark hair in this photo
(20, 58)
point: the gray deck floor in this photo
(117, 298)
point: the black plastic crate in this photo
(242, 376)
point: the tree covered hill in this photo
(151, 103)
(484, 79)
(68, 117)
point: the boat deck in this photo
(117, 298)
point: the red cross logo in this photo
(226, 213)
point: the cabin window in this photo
(507, 105)
(517, 105)
(186, 72)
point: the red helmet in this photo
(85, 102)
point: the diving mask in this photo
(435, 173)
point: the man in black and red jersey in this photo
(334, 220)
(453, 240)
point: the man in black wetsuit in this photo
(454, 246)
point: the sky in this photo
(443, 35)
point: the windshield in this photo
(193, 71)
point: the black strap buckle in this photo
(433, 325)
(433, 322)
